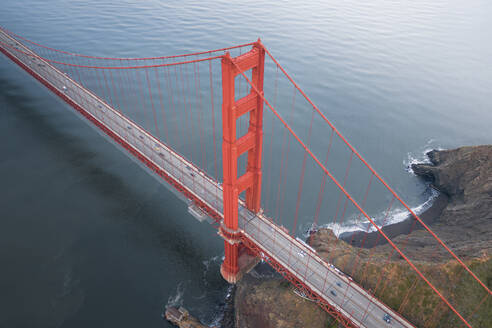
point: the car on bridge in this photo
(387, 318)
(190, 171)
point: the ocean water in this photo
(88, 238)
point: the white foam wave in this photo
(382, 219)
(177, 299)
(399, 215)
(356, 223)
(420, 156)
(339, 229)
(214, 259)
(211, 266)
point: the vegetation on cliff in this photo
(397, 285)
(272, 303)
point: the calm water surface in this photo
(88, 238)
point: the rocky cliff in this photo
(464, 175)
(462, 216)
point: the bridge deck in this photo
(333, 286)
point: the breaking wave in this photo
(382, 219)
(177, 299)
(420, 156)
(212, 260)
(394, 216)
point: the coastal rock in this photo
(181, 318)
(464, 175)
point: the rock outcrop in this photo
(464, 175)
(181, 318)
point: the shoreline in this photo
(365, 239)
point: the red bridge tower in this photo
(237, 260)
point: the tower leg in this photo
(229, 268)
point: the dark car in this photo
(332, 292)
(189, 169)
(387, 318)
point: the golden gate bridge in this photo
(282, 163)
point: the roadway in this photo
(332, 285)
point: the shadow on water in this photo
(74, 151)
